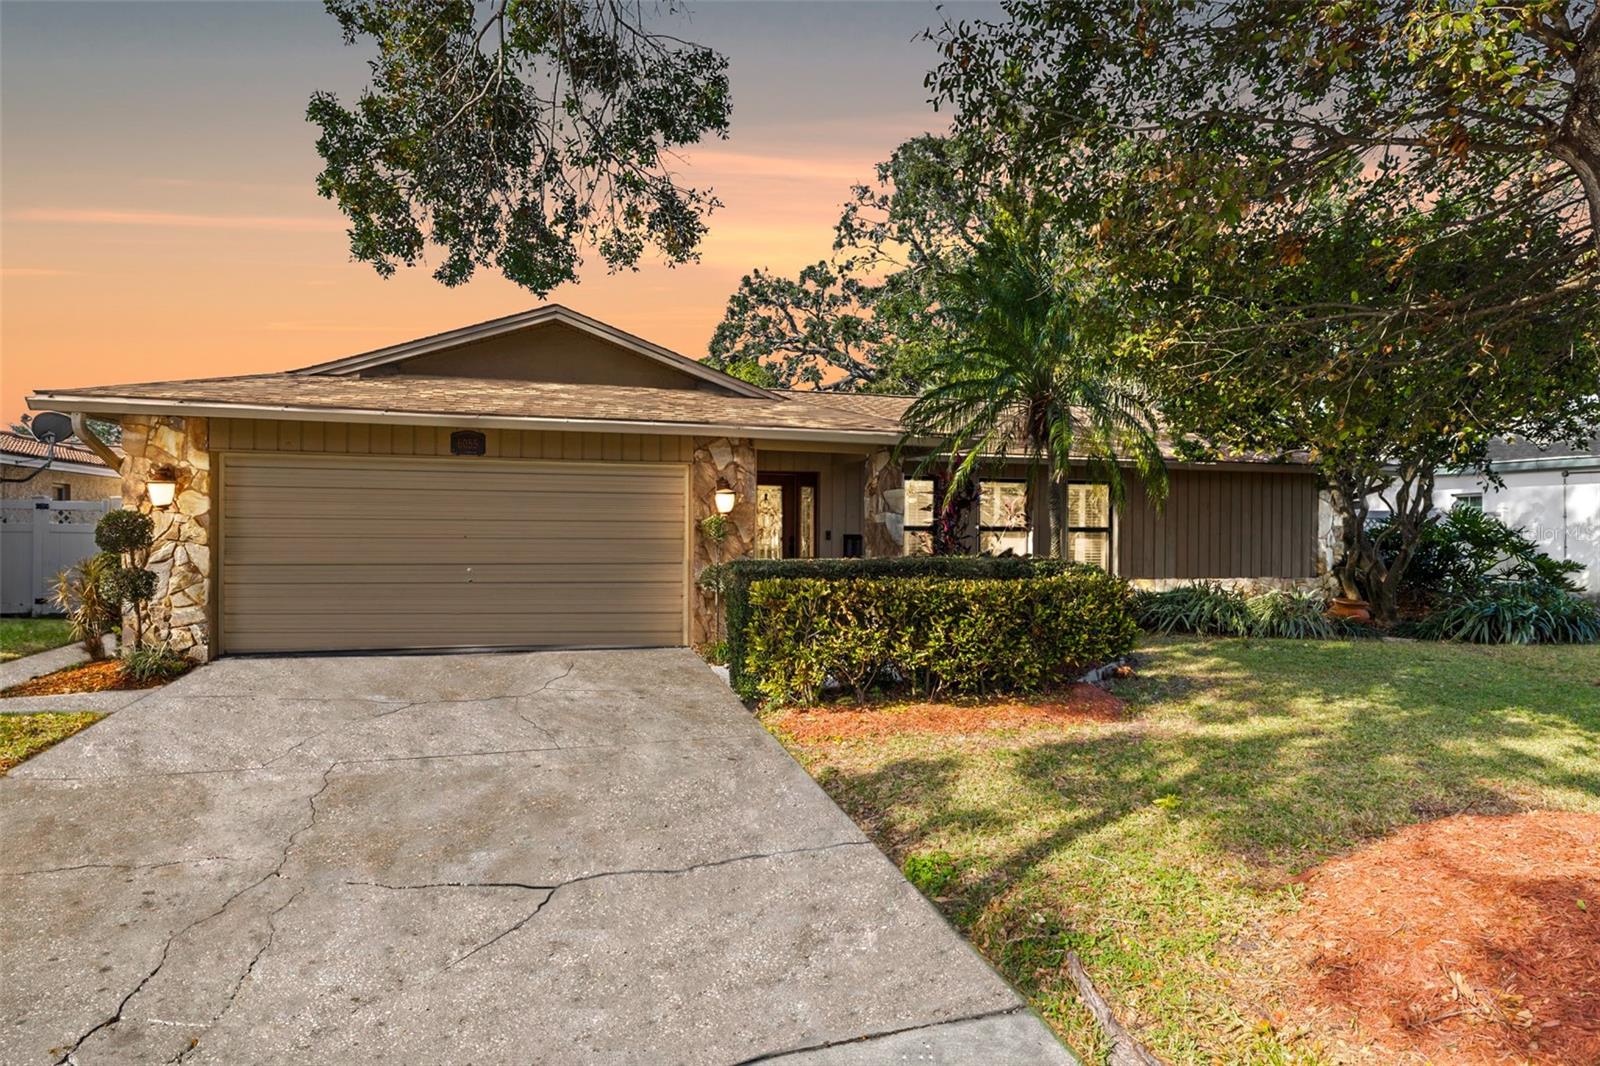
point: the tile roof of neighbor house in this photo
(15, 445)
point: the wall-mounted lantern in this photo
(725, 496)
(162, 487)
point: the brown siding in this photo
(548, 353)
(339, 438)
(1220, 523)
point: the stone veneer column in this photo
(180, 610)
(716, 459)
(885, 506)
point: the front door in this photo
(786, 516)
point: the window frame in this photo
(1109, 529)
(1025, 528)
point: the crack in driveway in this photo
(773, 1056)
(551, 889)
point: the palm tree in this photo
(1030, 367)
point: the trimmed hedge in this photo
(931, 634)
(734, 579)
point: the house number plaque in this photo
(467, 442)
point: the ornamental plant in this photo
(129, 535)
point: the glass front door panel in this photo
(769, 521)
(806, 521)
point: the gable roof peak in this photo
(542, 315)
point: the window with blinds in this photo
(1089, 524)
(1003, 517)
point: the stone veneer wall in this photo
(885, 522)
(181, 558)
(732, 460)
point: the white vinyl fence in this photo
(39, 539)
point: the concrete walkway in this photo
(588, 857)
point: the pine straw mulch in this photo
(1473, 939)
(1076, 703)
(106, 675)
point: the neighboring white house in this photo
(1554, 494)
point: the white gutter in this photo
(129, 405)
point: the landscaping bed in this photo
(107, 675)
(839, 721)
(25, 735)
(1472, 939)
(1175, 845)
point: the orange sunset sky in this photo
(158, 218)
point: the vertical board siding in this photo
(360, 438)
(1220, 523)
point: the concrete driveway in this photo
(549, 858)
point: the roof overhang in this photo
(549, 313)
(28, 462)
(129, 405)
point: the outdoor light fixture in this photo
(725, 497)
(162, 486)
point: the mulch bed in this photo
(1473, 939)
(1077, 703)
(104, 676)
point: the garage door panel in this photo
(590, 505)
(574, 598)
(542, 573)
(454, 551)
(372, 553)
(291, 478)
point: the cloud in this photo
(90, 216)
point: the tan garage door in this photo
(324, 553)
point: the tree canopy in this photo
(516, 134)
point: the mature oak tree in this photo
(516, 133)
(1362, 228)
(861, 320)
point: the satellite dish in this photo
(51, 427)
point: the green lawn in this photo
(23, 736)
(1160, 848)
(25, 636)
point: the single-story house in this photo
(539, 479)
(74, 472)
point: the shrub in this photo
(1515, 612)
(1461, 553)
(1205, 607)
(732, 580)
(1296, 615)
(931, 634)
(129, 535)
(84, 592)
(153, 662)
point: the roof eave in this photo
(131, 405)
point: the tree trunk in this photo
(1041, 510)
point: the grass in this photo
(27, 636)
(23, 736)
(1162, 848)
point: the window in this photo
(1003, 517)
(1472, 501)
(1089, 524)
(63, 493)
(920, 511)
